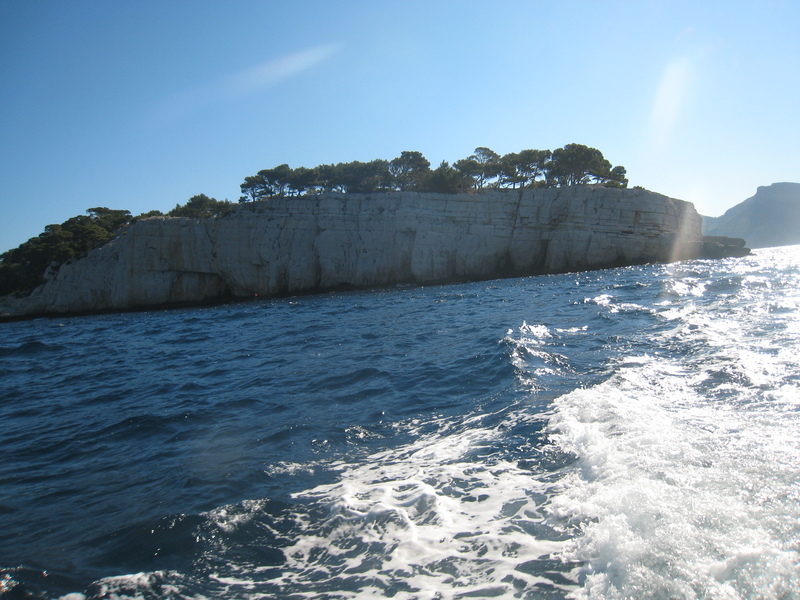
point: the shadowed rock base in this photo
(717, 246)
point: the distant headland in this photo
(769, 218)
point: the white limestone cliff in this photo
(317, 243)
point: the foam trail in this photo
(427, 521)
(677, 497)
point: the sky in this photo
(140, 105)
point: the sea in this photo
(631, 433)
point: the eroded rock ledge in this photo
(310, 244)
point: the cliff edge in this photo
(318, 243)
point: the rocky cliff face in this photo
(296, 245)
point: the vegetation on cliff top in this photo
(23, 268)
(574, 164)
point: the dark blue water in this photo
(622, 433)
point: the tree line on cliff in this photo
(574, 164)
(23, 268)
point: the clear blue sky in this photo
(141, 104)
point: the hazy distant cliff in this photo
(770, 218)
(295, 245)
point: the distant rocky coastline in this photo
(351, 241)
(769, 218)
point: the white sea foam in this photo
(686, 484)
(138, 586)
(290, 468)
(532, 353)
(430, 517)
(675, 499)
(609, 302)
